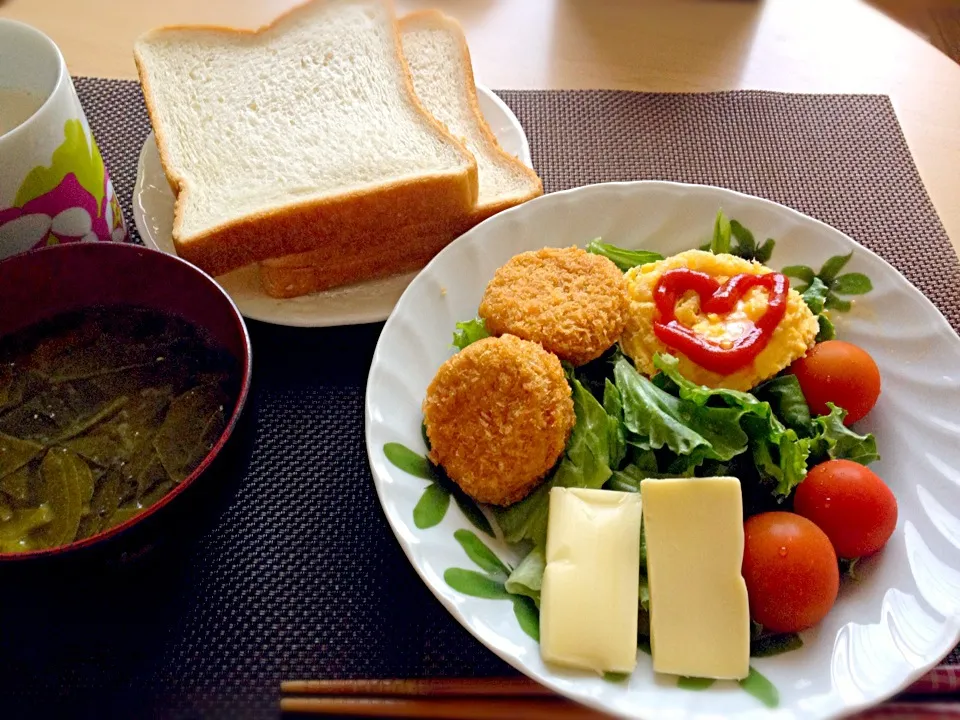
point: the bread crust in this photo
(305, 226)
(352, 242)
(403, 252)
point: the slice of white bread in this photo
(278, 139)
(439, 62)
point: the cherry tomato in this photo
(841, 373)
(790, 569)
(853, 506)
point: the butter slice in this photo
(699, 615)
(589, 598)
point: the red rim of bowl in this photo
(180, 487)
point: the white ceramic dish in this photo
(894, 623)
(362, 303)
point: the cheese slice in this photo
(699, 616)
(589, 598)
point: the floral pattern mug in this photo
(54, 187)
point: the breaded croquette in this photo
(570, 301)
(498, 415)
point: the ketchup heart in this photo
(718, 299)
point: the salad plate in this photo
(350, 305)
(893, 621)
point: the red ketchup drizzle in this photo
(718, 299)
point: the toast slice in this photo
(439, 62)
(278, 139)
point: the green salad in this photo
(630, 427)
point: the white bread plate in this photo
(350, 305)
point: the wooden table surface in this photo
(655, 45)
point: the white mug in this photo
(54, 186)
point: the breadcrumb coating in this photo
(498, 416)
(570, 301)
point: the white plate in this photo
(351, 305)
(896, 622)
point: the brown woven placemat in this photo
(299, 576)
(839, 158)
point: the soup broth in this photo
(102, 413)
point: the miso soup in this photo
(102, 413)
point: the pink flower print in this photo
(40, 222)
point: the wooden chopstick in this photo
(487, 687)
(432, 699)
(443, 708)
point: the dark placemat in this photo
(295, 573)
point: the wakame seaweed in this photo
(102, 412)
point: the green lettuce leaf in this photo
(644, 460)
(626, 480)
(815, 295)
(622, 258)
(586, 464)
(730, 236)
(852, 284)
(706, 424)
(643, 464)
(787, 400)
(834, 440)
(821, 289)
(527, 578)
(613, 406)
(827, 330)
(721, 234)
(779, 454)
(468, 332)
(768, 645)
(669, 366)
(655, 419)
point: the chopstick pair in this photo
(481, 698)
(432, 699)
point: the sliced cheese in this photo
(699, 617)
(589, 599)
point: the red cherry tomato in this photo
(853, 506)
(790, 570)
(841, 373)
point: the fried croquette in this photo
(794, 335)
(498, 415)
(570, 301)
